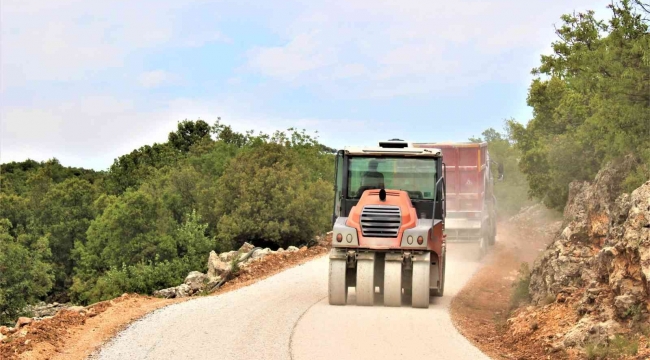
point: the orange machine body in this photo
(400, 199)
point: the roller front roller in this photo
(337, 287)
(393, 280)
(365, 279)
(421, 283)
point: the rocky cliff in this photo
(601, 257)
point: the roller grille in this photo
(381, 221)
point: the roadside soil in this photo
(484, 313)
(72, 335)
(481, 310)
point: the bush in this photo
(268, 194)
(98, 280)
(618, 347)
(142, 278)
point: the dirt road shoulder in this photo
(74, 335)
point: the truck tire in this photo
(492, 239)
(493, 232)
(481, 248)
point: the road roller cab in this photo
(388, 225)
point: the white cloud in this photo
(302, 54)
(200, 39)
(75, 39)
(92, 131)
(156, 78)
(411, 45)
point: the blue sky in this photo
(86, 82)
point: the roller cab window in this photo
(413, 175)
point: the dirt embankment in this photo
(73, 335)
(581, 294)
(482, 308)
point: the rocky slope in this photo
(599, 263)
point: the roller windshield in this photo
(417, 176)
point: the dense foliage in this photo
(68, 233)
(25, 271)
(591, 102)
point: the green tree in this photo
(131, 170)
(591, 102)
(188, 134)
(25, 275)
(267, 195)
(65, 215)
(146, 276)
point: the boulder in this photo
(41, 309)
(280, 250)
(261, 253)
(589, 330)
(2, 337)
(625, 305)
(212, 282)
(4, 330)
(196, 280)
(228, 256)
(168, 293)
(292, 249)
(182, 290)
(216, 267)
(22, 321)
(246, 248)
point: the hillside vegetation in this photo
(85, 236)
(591, 103)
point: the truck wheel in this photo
(492, 239)
(481, 249)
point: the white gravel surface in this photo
(287, 316)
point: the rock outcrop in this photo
(219, 265)
(41, 309)
(216, 266)
(601, 257)
(196, 281)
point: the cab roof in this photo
(383, 151)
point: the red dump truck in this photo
(471, 205)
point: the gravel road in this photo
(287, 316)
